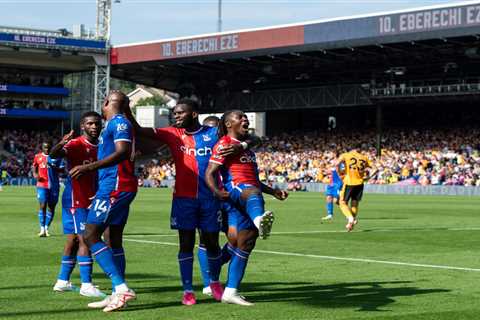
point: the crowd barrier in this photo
(384, 189)
(320, 187)
(21, 181)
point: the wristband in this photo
(244, 145)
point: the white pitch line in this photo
(292, 254)
(339, 231)
(376, 230)
(154, 235)
(150, 241)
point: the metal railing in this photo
(426, 90)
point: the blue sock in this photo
(185, 260)
(237, 267)
(203, 262)
(49, 218)
(68, 263)
(41, 219)
(214, 264)
(119, 258)
(227, 252)
(104, 257)
(85, 264)
(330, 208)
(255, 206)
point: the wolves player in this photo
(46, 171)
(332, 192)
(243, 190)
(356, 165)
(193, 206)
(110, 208)
(75, 202)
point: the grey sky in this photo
(144, 20)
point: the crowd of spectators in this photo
(22, 78)
(413, 157)
(17, 150)
(155, 171)
(424, 157)
(8, 103)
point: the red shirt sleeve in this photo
(166, 135)
(70, 149)
(216, 157)
(35, 161)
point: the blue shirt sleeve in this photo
(121, 130)
(56, 163)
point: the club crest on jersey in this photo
(122, 127)
(206, 138)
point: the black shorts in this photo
(351, 193)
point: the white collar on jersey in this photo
(88, 142)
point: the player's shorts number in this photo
(100, 207)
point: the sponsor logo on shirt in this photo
(205, 151)
(247, 159)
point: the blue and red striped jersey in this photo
(191, 152)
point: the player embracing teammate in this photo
(241, 190)
(194, 205)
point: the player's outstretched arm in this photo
(35, 170)
(57, 150)
(338, 165)
(140, 132)
(253, 141)
(371, 174)
(210, 179)
(123, 150)
(277, 193)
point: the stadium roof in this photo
(347, 49)
(48, 49)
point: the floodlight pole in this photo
(102, 65)
(219, 22)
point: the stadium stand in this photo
(17, 149)
(410, 157)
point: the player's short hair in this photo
(222, 127)
(189, 102)
(89, 114)
(211, 119)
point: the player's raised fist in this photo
(68, 137)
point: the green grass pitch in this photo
(399, 263)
